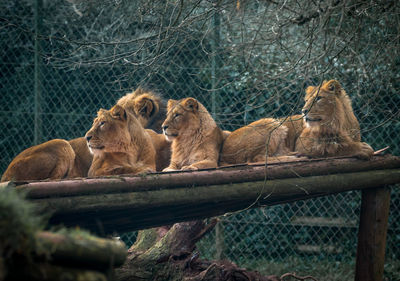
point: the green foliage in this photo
(18, 224)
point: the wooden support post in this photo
(372, 234)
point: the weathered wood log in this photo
(81, 249)
(138, 210)
(123, 204)
(222, 175)
(372, 234)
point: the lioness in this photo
(331, 129)
(53, 159)
(196, 138)
(150, 110)
(119, 144)
(250, 143)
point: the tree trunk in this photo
(172, 258)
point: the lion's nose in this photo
(88, 138)
(304, 111)
(164, 127)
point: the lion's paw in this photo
(168, 169)
(365, 152)
(189, 167)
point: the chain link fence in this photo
(63, 60)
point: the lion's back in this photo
(53, 159)
(249, 143)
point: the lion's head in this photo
(183, 117)
(147, 106)
(328, 106)
(110, 131)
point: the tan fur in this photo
(119, 143)
(148, 107)
(295, 125)
(331, 129)
(225, 134)
(53, 159)
(349, 122)
(163, 149)
(249, 143)
(83, 158)
(196, 138)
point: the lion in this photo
(250, 143)
(196, 138)
(148, 107)
(53, 159)
(331, 129)
(119, 144)
(150, 110)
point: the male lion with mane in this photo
(196, 138)
(331, 129)
(119, 144)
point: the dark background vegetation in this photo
(63, 60)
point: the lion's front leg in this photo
(204, 164)
(172, 167)
(361, 150)
(130, 170)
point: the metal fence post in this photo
(37, 90)
(215, 65)
(215, 60)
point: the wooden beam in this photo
(222, 175)
(125, 203)
(121, 212)
(372, 234)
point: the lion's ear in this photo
(145, 106)
(310, 89)
(191, 104)
(333, 86)
(118, 112)
(171, 104)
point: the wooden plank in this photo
(372, 234)
(323, 221)
(223, 175)
(121, 212)
(312, 249)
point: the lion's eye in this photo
(317, 98)
(102, 123)
(177, 114)
(331, 87)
